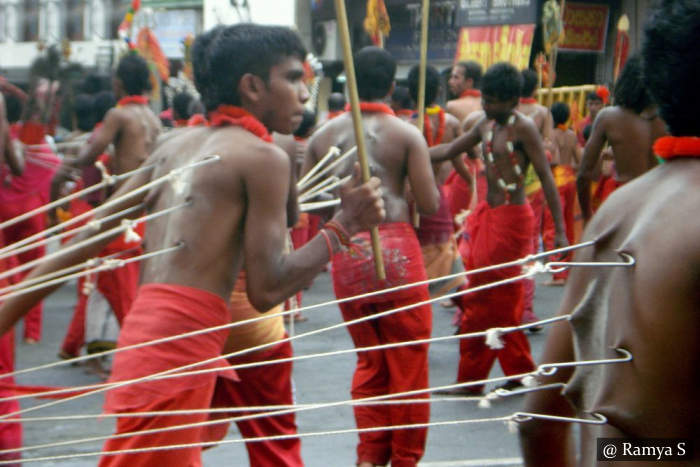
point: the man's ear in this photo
(251, 87)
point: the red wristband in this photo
(340, 231)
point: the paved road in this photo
(315, 380)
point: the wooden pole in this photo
(342, 18)
(421, 82)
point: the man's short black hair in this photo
(336, 102)
(530, 80)
(631, 90)
(671, 58)
(472, 70)
(432, 83)
(502, 81)
(133, 72)
(82, 108)
(402, 97)
(375, 69)
(560, 113)
(181, 105)
(228, 53)
(13, 108)
(101, 103)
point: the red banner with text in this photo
(585, 27)
(491, 44)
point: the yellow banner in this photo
(492, 44)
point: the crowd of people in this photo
(492, 177)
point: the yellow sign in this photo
(492, 44)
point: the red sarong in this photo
(498, 235)
(391, 370)
(259, 386)
(162, 310)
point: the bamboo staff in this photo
(342, 18)
(421, 83)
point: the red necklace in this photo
(141, 100)
(528, 100)
(470, 93)
(405, 112)
(674, 147)
(374, 107)
(197, 120)
(562, 126)
(225, 115)
(335, 113)
(507, 187)
(428, 127)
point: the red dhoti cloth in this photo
(10, 433)
(259, 386)
(266, 385)
(387, 371)
(606, 185)
(536, 200)
(565, 179)
(162, 310)
(498, 235)
(25, 193)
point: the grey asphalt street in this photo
(315, 380)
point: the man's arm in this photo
(589, 161)
(14, 308)
(421, 177)
(532, 145)
(464, 143)
(272, 275)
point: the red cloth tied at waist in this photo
(437, 228)
(354, 274)
(498, 235)
(162, 310)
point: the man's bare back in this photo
(569, 150)
(631, 137)
(656, 322)
(396, 152)
(540, 115)
(463, 107)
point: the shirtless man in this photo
(650, 309)
(397, 154)
(630, 127)
(464, 82)
(502, 224)
(131, 126)
(236, 210)
(436, 232)
(529, 106)
(594, 103)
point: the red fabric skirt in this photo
(162, 310)
(354, 273)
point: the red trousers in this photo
(567, 196)
(258, 386)
(536, 201)
(17, 232)
(118, 286)
(10, 433)
(401, 369)
(497, 235)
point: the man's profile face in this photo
(285, 96)
(457, 82)
(594, 106)
(496, 108)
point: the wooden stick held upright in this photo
(342, 18)
(425, 12)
